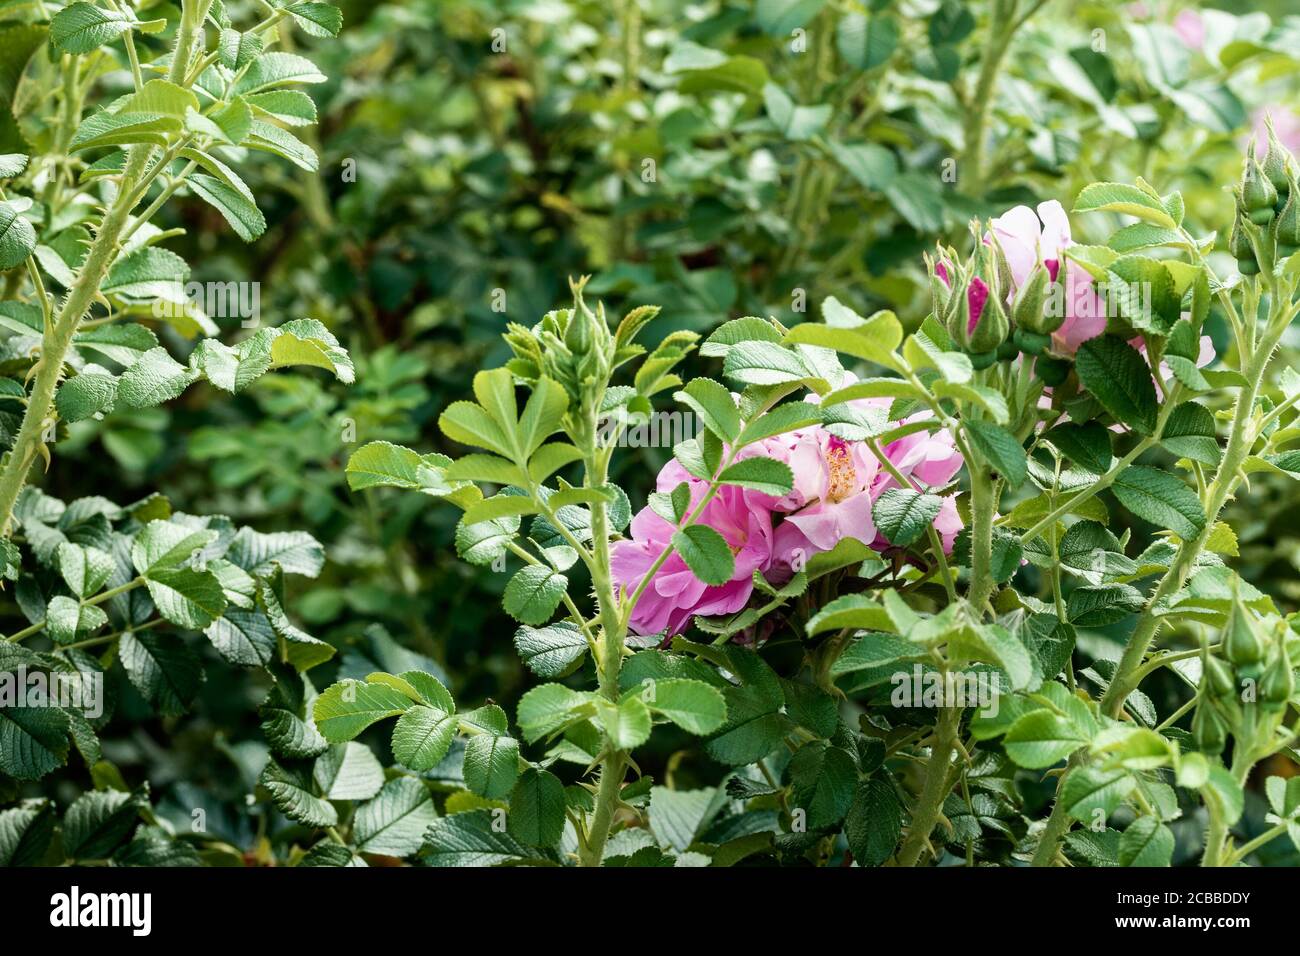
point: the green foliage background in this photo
(453, 173)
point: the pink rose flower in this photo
(675, 594)
(835, 484)
(1190, 28)
(1024, 237)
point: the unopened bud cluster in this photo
(988, 316)
(1244, 692)
(1267, 225)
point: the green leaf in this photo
(187, 597)
(626, 724)
(1000, 449)
(348, 771)
(1123, 198)
(1118, 377)
(1087, 790)
(1161, 498)
(873, 339)
(537, 808)
(678, 816)
(82, 27)
(550, 651)
(66, 619)
(706, 553)
(767, 475)
(25, 833)
(86, 395)
(534, 593)
(17, 238)
(308, 342)
(292, 793)
(471, 839)
(491, 765)
(873, 823)
(824, 782)
(383, 463)
(1087, 445)
(276, 69)
(778, 421)
(777, 18)
(290, 107)
(85, 569)
(1103, 604)
(1042, 738)
(715, 407)
(866, 42)
(295, 552)
(162, 668)
(1189, 431)
(796, 123)
(764, 363)
(166, 544)
(345, 709)
(855, 611)
(393, 822)
(236, 50)
(12, 165)
(238, 210)
(33, 741)
(155, 378)
(551, 707)
(1146, 842)
(690, 704)
(902, 514)
(98, 822)
(422, 737)
(316, 19)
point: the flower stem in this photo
(983, 505)
(934, 790)
(58, 339)
(1241, 438)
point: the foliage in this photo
(718, 175)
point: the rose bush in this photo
(829, 524)
(988, 559)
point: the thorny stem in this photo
(1241, 438)
(934, 790)
(58, 334)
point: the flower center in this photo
(843, 476)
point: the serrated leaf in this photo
(393, 823)
(491, 765)
(345, 709)
(293, 793)
(902, 514)
(422, 737)
(1118, 377)
(162, 668)
(1161, 498)
(690, 704)
(706, 553)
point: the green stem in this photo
(983, 505)
(612, 770)
(58, 338)
(925, 815)
(1241, 438)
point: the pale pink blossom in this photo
(1190, 28)
(1025, 237)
